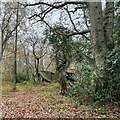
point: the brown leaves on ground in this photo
(46, 102)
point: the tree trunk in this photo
(1, 46)
(27, 64)
(1, 51)
(102, 31)
(97, 31)
(15, 55)
(63, 83)
(108, 25)
(38, 78)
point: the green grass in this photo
(29, 86)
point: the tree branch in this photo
(71, 19)
(54, 6)
(62, 33)
(79, 33)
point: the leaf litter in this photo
(48, 104)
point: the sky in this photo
(32, 1)
(56, 14)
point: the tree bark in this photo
(15, 55)
(108, 25)
(97, 31)
(1, 51)
(38, 77)
(102, 34)
(27, 64)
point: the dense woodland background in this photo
(71, 44)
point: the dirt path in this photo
(42, 104)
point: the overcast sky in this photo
(32, 1)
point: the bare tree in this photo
(26, 55)
(7, 26)
(15, 52)
(39, 51)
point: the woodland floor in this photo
(44, 101)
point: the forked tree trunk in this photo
(38, 77)
(101, 31)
